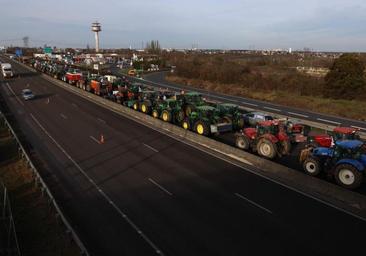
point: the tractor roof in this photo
(229, 105)
(206, 108)
(345, 130)
(351, 144)
(193, 94)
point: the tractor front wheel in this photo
(201, 128)
(185, 124)
(267, 149)
(155, 113)
(311, 166)
(242, 142)
(135, 106)
(348, 176)
(166, 116)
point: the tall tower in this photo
(96, 28)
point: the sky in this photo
(327, 25)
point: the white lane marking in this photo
(328, 121)
(358, 127)
(150, 147)
(297, 114)
(101, 120)
(253, 203)
(97, 141)
(16, 97)
(74, 105)
(275, 109)
(104, 195)
(159, 186)
(63, 116)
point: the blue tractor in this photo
(345, 161)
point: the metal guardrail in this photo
(39, 182)
(8, 236)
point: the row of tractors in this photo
(340, 154)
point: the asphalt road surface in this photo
(158, 79)
(144, 193)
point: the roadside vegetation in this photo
(342, 91)
(38, 230)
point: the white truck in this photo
(6, 70)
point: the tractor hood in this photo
(320, 151)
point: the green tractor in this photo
(206, 120)
(146, 100)
(231, 114)
(190, 101)
(169, 110)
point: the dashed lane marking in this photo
(104, 195)
(253, 203)
(160, 186)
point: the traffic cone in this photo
(101, 139)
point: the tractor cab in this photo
(345, 133)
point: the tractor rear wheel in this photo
(179, 116)
(188, 109)
(166, 116)
(201, 128)
(242, 142)
(185, 124)
(286, 147)
(145, 108)
(155, 113)
(135, 106)
(312, 166)
(267, 149)
(348, 176)
(227, 119)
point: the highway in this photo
(144, 193)
(158, 79)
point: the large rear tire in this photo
(348, 176)
(179, 116)
(166, 116)
(201, 128)
(312, 166)
(267, 149)
(145, 108)
(242, 142)
(188, 109)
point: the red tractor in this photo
(327, 140)
(269, 139)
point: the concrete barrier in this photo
(335, 196)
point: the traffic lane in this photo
(265, 106)
(81, 195)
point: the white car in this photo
(27, 94)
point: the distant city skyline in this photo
(329, 25)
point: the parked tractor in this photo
(231, 114)
(190, 101)
(327, 140)
(269, 139)
(169, 110)
(206, 120)
(345, 161)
